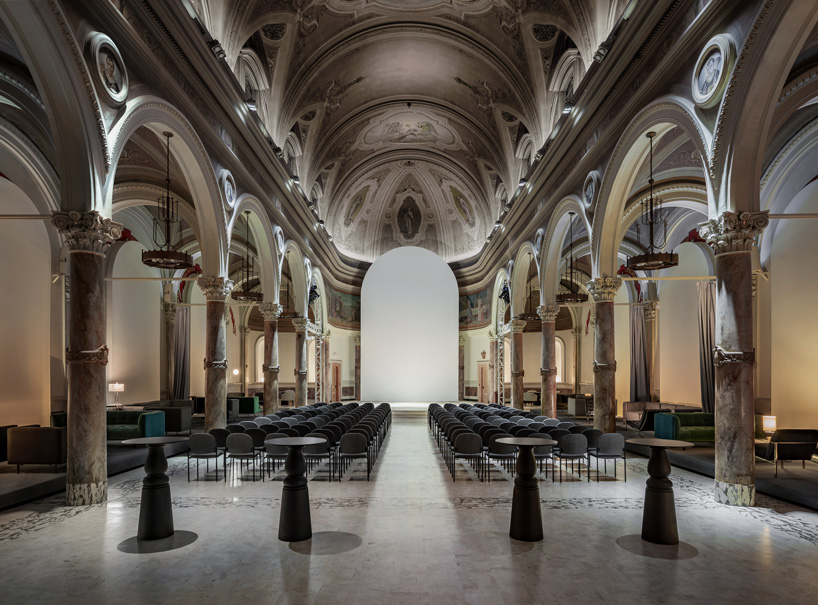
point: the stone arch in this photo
(187, 148)
(266, 244)
(553, 243)
(519, 275)
(630, 152)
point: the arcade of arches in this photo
(309, 137)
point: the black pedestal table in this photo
(526, 515)
(659, 514)
(156, 511)
(294, 522)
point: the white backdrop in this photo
(409, 328)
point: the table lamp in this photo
(768, 425)
(116, 388)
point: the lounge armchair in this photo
(37, 445)
(789, 444)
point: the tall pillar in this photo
(270, 312)
(517, 372)
(493, 383)
(577, 334)
(461, 368)
(357, 369)
(732, 236)
(87, 236)
(651, 329)
(300, 324)
(245, 332)
(326, 390)
(603, 290)
(169, 314)
(216, 291)
(319, 367)
(548, 367)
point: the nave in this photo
(410, 535)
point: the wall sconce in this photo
(768, 425)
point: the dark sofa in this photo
(135, 424)
(178, 414)
(37, 445)
(788, 444)
(686, 426)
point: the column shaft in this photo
(517, 372)
(270, 312)
(300, 324)
(357, 369)
(216, 290)
(169, 313)
(493, 368)
(461, 369)
(548, 368)
(603, 290)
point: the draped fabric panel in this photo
(640, 384)
(181, 368)
(706, 292)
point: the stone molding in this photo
(275, 369)
(216, 289)
(270, 311)
(86, 231)
(300, 372)
(300, 323)
(218, 364)
(604, 289)
(98, 356)
(461, 341)
(651, 310)
(548, 313)
(547, 371)
(734, 231)
(515, 374)
(604, 367)
(722, 357)
(517, 326)
(356, 340)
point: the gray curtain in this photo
(181, 348)
(707, 335)
(640, 386)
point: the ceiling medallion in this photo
(652, 214)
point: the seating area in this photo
(126, 424)
(470, 433)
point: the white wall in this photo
(794, 286)
(679, 329)
(409, 328)
(134, 328)
(25, 303)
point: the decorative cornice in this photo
(98, 356)
(548, 313)
(218, 364)
(86, 231)
(792, 143)
(722, 357)
(216, 289)
(604, 367)
(604, 289)
(270, 311)
(734, 232)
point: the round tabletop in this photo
(526, 441)
(155, 440)
(655, 442)
(297, 441)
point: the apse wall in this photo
(409, 328)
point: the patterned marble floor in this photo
(410, 535)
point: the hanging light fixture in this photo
(573, 294)
(652, 215)
(167, 255)
(314, 293)
(505, 296)
(245, 294)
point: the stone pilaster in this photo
(517, 372)
(244, 332)
(548, 366)
(577, 334)
(300, 324)
(87, 236)
(326, 382)
(603, 290)
(461, 368)
(732, 237)
(270, 312)
(651, 339)
(216, 291)
(493, 382)
(357, 341)
(169, 315)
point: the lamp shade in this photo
(116, 387)
(768, 424)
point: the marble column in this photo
(732, 237)
(270, 312)
(577, 334)
(326, 390)
(216, 291)
(300, 324)
(169, 314)
(357, 369)
(87, 236)
(461, 368)
(603, 290)
(517, 372)
(651, 334)
(493, 383)
(548, 366)
(245, 332)
(319, 362)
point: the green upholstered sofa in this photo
(134, 424)
(686, 426)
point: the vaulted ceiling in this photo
(409, 122)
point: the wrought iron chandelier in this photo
(572, 294)
(314, 293)
(651, 216)
(245, 294)
(504, 295)
(167, 254)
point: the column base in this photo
(85, 494)
(735, 494)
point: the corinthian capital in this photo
(300, 324)
(734, 231)
(215, 288)
(548, 313)
(86, 231)
(517, 326)
(604, 289)
(270, 311)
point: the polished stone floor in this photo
(410, 535)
